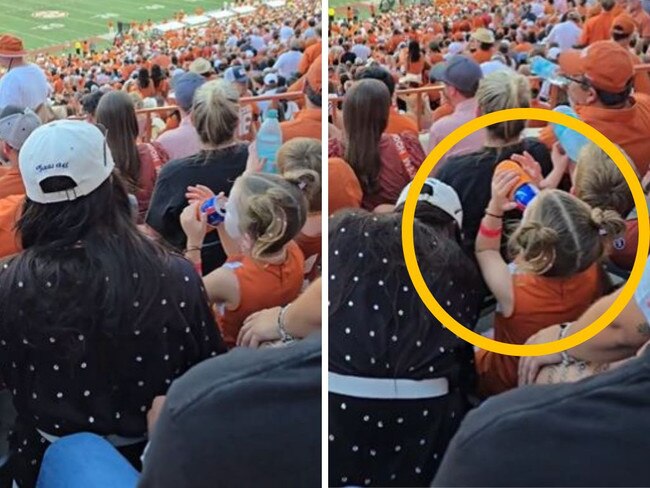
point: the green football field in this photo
(42, 24)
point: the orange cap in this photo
(509, 165)
(623, 24)
(11, 47)
(314, 75)
(612, 75)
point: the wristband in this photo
(490, 233)
(494, 215)
(284, 335)
(194, 248)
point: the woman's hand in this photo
(193, 226)
(502, 184)
(559, 158)
(259, 327)
(530, 166)
(530, 366)
(254, 164)
(199, 194)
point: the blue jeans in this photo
(85, 460)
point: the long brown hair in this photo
(117, 114)
(365, 117)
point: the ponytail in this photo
(562, 235)
(275, 208)
(504, 90)
(215, 112)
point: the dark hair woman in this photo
(413, 62)
(144, 83)
(215, 115)
(160, 83)
(138, 163)
(383, 163)
(95, 319)
(382, 338)
(471, 174)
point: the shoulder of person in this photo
(536, 147)
(175, 166)
(212, 380)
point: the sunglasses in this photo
(582, 81)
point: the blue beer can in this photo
(525, 194)
(214, 210)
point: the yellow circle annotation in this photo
(525, 349)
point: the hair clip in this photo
(302, 185)
(602, 232)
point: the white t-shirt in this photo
(257, 42)
(24, 86)
(286, 33)
(362, 51)
(565, 34)
(288, 63)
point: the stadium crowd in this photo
(143, 343)
(518, 236)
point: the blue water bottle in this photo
(546, 70)
(269, 140)
(571, 141)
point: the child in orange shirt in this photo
(298, 154)
(264, 269)
(555, 275)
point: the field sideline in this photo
(43, 24)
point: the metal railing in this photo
(274, 99)
(336, 101)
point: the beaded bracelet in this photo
(284, 335)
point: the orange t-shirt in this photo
(10, 210)
(627, 127)
(311, 248)
(309, 56)
(539, 303)
(642, 20)
(598, 28)
(524, 47)
(11, 183)
(415, 68)
(641, 78)
(306, 123)
(347, 192)
(398, 123)
(150, 91)
(481, 56)
(261, 286)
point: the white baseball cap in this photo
(71, 148)
(440, 195)
(270, 79)
(16, 127)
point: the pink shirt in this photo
(181, 142)
(463, 112)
